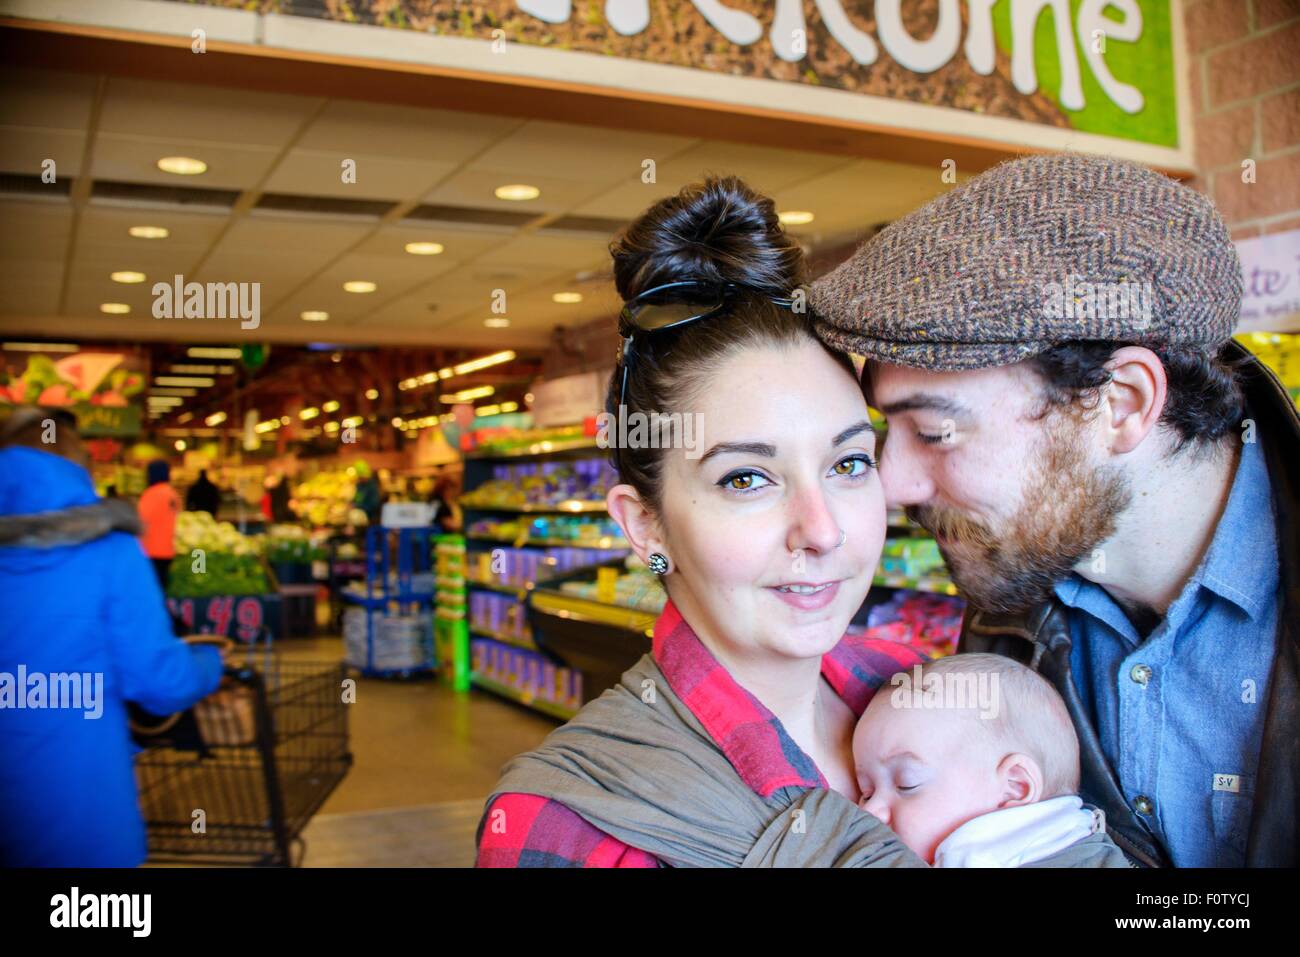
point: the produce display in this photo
(544, 484)
(230, 563)
(291, 544)
(499, 441)
(326, 499)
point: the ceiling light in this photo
(795, 217)
(517, 192)
(509, 406)
(473, 365)
(149, 232)
(424, 249)
(197, 369)
(285, 420)
(185, 417)
(397, 422)
(307, 414)
(468, 395)
(127, 276)
(487, 410)
(180, 445)
(215, 419)
(359, 285)
(114, 308)
(331, 426)
(40, 347)
(213, 352)
(201, 382)
(330, 406)
(496, 322)
(164, 400)
(315, 315)
(353, 421)
(567, 297)
(372, 394)
(188, 393)
(182, 165)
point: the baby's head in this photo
(959, 737)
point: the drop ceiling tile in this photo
(376, 129)
(35, 230)
(24, 150)
(208, 114)
(320, 173)
(46, 98)
(102, 225)
(134, 159)
(459, 243)
(471, 187)
(557, 253)
(583, 153)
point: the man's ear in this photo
(1134, 398)
(1021, 780)
(639, 525)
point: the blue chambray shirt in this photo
(1174, 732)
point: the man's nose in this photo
(904, 476)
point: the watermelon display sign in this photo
(100, 388)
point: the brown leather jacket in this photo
(1041, 639)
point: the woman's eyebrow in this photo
(752, 448)
(852, 430)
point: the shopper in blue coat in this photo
(81, 601)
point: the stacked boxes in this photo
(498, 615)
(519, 566)
(527, 673)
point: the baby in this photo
(973, 761)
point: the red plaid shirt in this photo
(545, 833)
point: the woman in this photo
(731, 743)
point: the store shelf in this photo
(586, 610)
(505, 639)
(514, 591)
(529, 701)
(544, 447)
(931, 583)
(571, 507)
(604, 543)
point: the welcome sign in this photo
(1095, 66)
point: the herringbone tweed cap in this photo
(978, 277)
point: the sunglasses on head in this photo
(671, 306)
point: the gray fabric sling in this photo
(649, 775)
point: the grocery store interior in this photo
(401, 429)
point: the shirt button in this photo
(1141, 674)
(1143, 804)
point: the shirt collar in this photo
(749, 735)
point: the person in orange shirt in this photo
(158, 508)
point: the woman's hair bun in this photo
(717, 231)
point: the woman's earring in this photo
(657, 563)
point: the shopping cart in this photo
(235, 779)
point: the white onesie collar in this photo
(1019, 835)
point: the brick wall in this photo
(1245, 95)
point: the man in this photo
(203, 495)
(158, 507)
(1111, 480)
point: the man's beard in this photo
(1069, 508)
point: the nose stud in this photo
(844, 537)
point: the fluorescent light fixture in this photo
(567, 297)
(330, 406)
(215, 419)
(473, 365)
(509, 406)
(165, 401)
(149, 232)
(196, 369)
(424, 249)
(469, 395)
(331, 426)
(128, 276)
(201, 382)
(308, 414)
(182, 165)
(184, 417)
(487, 410)
(188, 393)
(353, 420)
(213, 352)
(40, 347)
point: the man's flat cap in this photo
(1033, 252)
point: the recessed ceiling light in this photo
(372, 394)
(567, 297)
(795, 217)
(331, 406)
(315, 315)
(213, 352)
(114, 308)
(285, 420)
(149, 232)
(517, 192)
(128, 276)
(424, 249)
(182, 165)
(359, 285)
(496, 322)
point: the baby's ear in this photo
(1020, 780)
